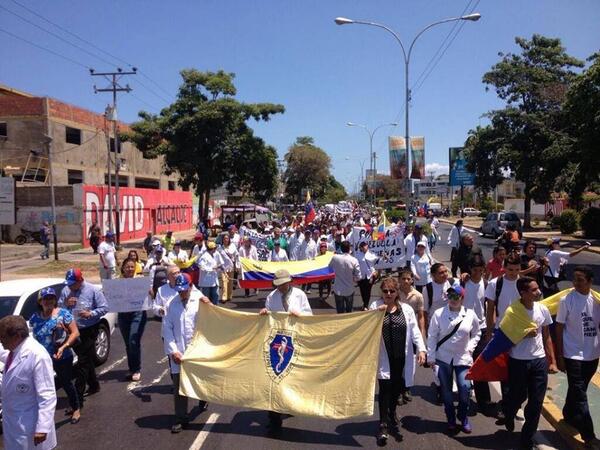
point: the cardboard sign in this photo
(127, 294)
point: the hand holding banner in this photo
(127, 294)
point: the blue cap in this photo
(109, 234)
(159, 249)
(73, 276)
(46, 292)
(457, 290)
(182, 283)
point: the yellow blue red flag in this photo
(259, 274)
(323, 365)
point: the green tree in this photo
(581, 121)
(334, 191)
(307, 168)
(533, 84)
(205, 137)
(481, 150)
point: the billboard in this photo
(459, 174)
(398, 158)
(417, 153)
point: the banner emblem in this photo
(279, 354)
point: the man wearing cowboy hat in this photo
(284, 298)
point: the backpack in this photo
(160, 277)
(429, 287)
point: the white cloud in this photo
(437, 168)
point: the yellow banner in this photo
(293, 267)
(322, 365)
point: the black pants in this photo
(576, 410)
(482, 388)
(64, 377)
(527, 379)
(365, 291)
(326, 284)
(389, 392)
(85, 371)
(454, 261)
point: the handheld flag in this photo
(309, 210)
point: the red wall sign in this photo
(141, 210)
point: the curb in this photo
(553, 415)
(535, 238)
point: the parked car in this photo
(496, 222)
(471, 212)
(19, 297)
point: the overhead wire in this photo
(91, 44)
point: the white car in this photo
(471, 212)
(19, 297)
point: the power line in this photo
(152, 91)
(91, 44)
(432, 59)
(46, 49)
(460, 27)
(57, 36)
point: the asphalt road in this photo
(126, 415)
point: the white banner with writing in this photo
(387, 245)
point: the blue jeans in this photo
(64, 376)
(212, 292)
(576, 410)
(344, 303)
(132, 326)
(464, 387)
(527, 380)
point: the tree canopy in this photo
(205, 137)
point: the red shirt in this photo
(495, 268)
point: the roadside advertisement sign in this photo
(417, 153)
(459, 174)
(398, 158)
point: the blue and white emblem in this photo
(281, 352)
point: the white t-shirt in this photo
(107, 250)
(533, 347)
(580, 315)
(508, 294)
(474, 300)
(556, 258)
(440, 298)
(421, 265)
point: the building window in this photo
(123, 180)
(73, 135)
(171, 185)
(74, 176)
(3, 129)
(147, 183)
(112, 145)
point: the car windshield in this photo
(7, 305)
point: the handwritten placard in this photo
(127, 294)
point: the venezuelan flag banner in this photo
(322, 365)
(259, 274)
(492, 364)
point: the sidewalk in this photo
(541, 236)
(555, 399)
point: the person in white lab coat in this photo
(284, 298)
(178, 328)
(28, 393)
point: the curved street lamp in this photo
(345, 21)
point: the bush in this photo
(394, 212)
(569, 221)
(554, 223)
(483, 213)
(590, 222)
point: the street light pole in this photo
(371, 158)
(345, 21)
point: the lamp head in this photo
(472, 17)
(343, 21)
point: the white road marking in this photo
(162, 360)
(113, 365)
(203, 434)
(137, 386)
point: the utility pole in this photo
(113, 78)
(48, 141)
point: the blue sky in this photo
(291, 52)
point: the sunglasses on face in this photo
(454, 297)
(388, 291)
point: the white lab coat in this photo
(29, 398)
(413, 335)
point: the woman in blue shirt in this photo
(55, 329)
